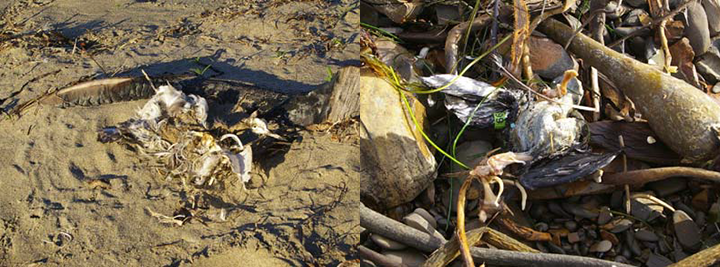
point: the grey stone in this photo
(635, 3)
(571, 226)
(602, 246)
(471, 153)
(447, 14)
(697, 30)
(712, 10)
(408, 257)
(686, 231)
(645, 209)
(708, 65)
(646, 235)
(605, 216)
(387, 243)
(574, 237)
(633, 17)
(656, 260)
(668, 186)
(579, 210)
(620, 225)
(426, 215)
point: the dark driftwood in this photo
(379, 224)
(683, 117)
(334, 101)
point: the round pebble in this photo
(426, 215)
(602, 246)
(418, 222)
(408, 257)
(618, 225)
(571, 225)
(387, 243)
(687, 232)
(646, 235)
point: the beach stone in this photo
(571, 226)
(548, 59)
(557, 209)
(408, 257)
(697, 30)
(398, 162)
(574, 237)
(645, 235)
(426, 215)
(645, 209)
(632, 243)
(712, 10)
(471, 153)
(602, 246)
(708, 65)
(447, 14)
(387, 243)
(555, 248)
(701, 200)
(418, 222)
(686, 231)
(656, 260)
(668, 186)
(635, 3)
(605, 216)
(633, 17)
(579, 210)
(618, 225)
(605, 235)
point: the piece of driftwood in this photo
(335, 101)
(382, 225)
(707, 257)
(345, 99)
(683, 117)
(641, 177)
(450, 250)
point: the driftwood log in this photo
(685, 118)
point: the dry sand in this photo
(55, 208)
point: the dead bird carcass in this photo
(172, 130)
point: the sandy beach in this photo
(69, 200)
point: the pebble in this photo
(426, 215)
(656, 260)
(605, 235)
(708, 65)
(557, 209)
(701, 200)
(617, 200)
(645, 235)
(635, 3)
(716, 88)
(602, 246)
(681, 206)
(633, 17)
(697, 30)
(418, 222)
(542, 227)
(571, 226)
(579, 211)
(686, 231)
(712, 10)
(700, 219)
(555, 248)
(645, 209)
(548, 59)
(605, 216)
(618, 225)
(668, 186)
(632, 243)
(574, 237)
(408, 257)
(387, 243)
(471, 153)
(618, 11)
(621, 259)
